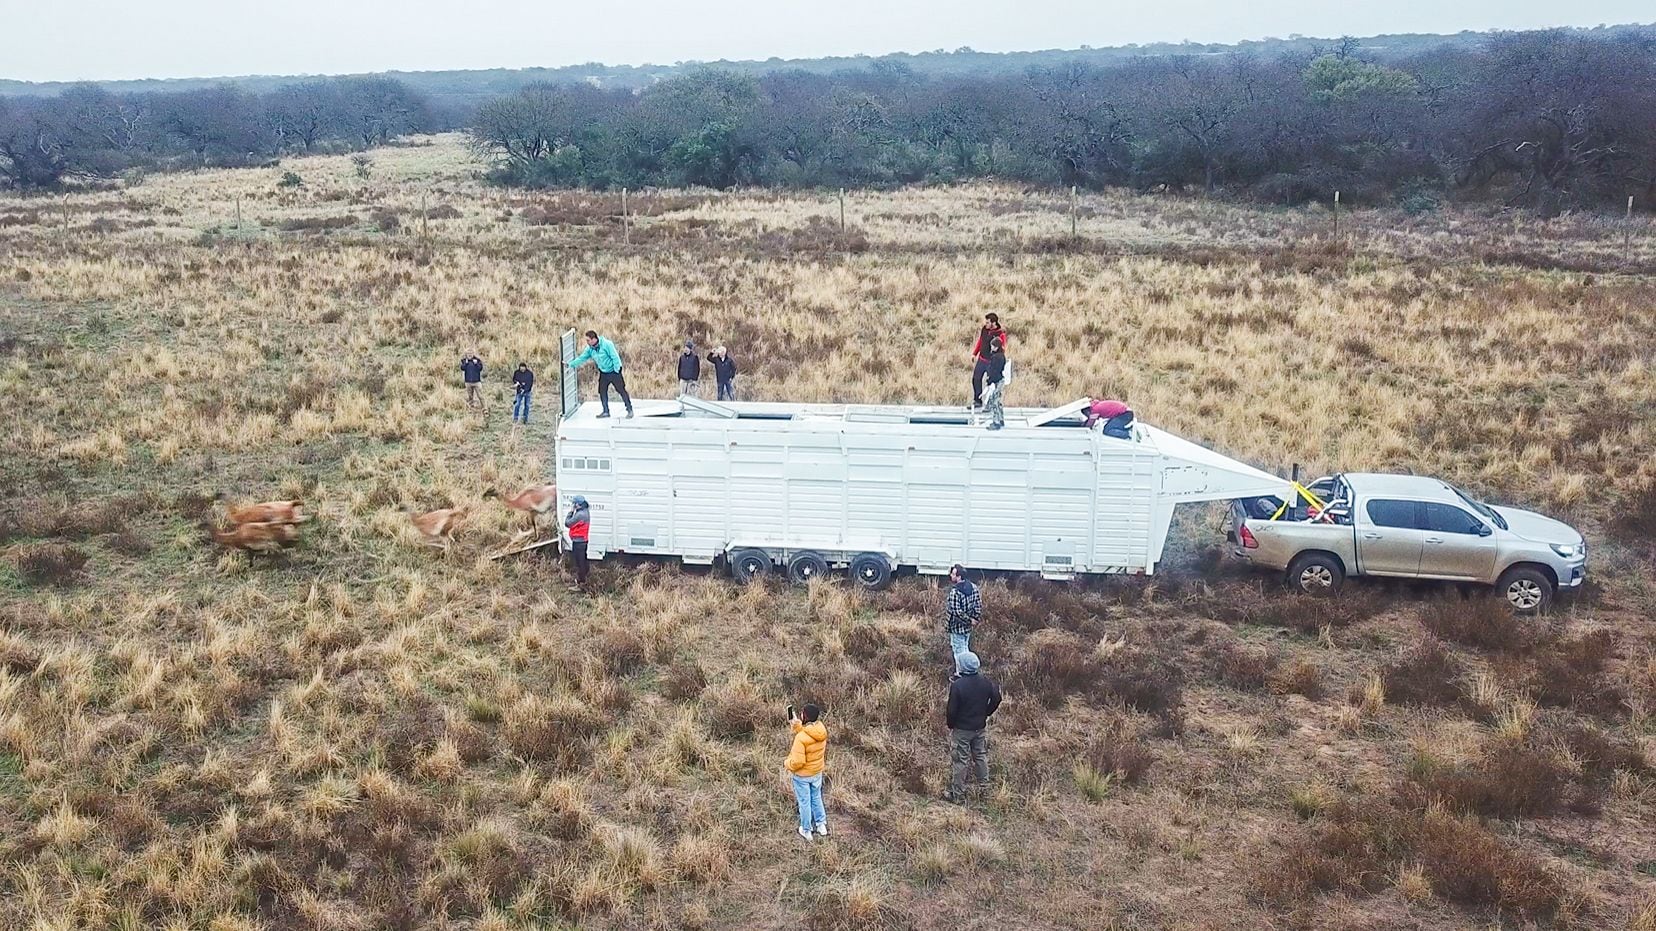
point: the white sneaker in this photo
(804, 833)
(822, 829)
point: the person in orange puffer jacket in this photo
(805, 763)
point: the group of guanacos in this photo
(271, 526)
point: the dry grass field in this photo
(365, 733)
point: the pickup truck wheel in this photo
(804, 567)
(1316, 574)
(1526, 590)
(749, 564)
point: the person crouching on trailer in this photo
(994, 389)
(1117, 418)
(579, 523)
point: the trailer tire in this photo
(1319, 575)
(871, 571)
(749, 564)
(804, 567)
(1526, 590)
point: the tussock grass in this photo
(366, 735)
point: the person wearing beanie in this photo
(805, 764)
(579, 523)
(523, 381)
(689, 371)
(973, 698)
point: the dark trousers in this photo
(605, 380)
(980, 370)
(727, 390)
(967, 749)
(577, 555)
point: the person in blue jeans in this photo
(524, 380)
(805, 763)
(962, 608)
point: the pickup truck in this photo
(1410, 527)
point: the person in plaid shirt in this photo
(961, 609)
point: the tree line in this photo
(89, 133)
(1548, 119)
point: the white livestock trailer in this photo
(807, 488)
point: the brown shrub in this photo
(622, 649)
(443, 212)
(1116, 749)
(1570, 673)
(1471, 867)
(864, 641)
(1242, 666)
(684, 679)
(50, 563)
(385, 220)
(554, 730)
(736, 710)
(1507, 782)
(1426, 675)
(1146, 681)
(1601, 753)
(316, 224)
(1301, 677)
(1485, 623)
(1052, 664)
(1635, 517)
(1359, 844)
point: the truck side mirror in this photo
(1485, 530)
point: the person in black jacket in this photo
(724, 372)
(524, 381)
(471, 368)
(689, 371)
(973, 697)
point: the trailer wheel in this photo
(804, 567)
(872, 571)
(1316, 574)
(749, 564)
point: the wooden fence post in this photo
(842, 212)
(626, 220)
(1336, 213)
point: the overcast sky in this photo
(43, 40)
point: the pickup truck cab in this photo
(1410, 526)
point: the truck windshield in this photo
(1480, 507)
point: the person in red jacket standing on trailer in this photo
(991, 331)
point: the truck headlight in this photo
(1568, 551)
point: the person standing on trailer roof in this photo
(689, 371)
(980, 354)
(994, 391)
(607, 358)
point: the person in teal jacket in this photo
(603, 354)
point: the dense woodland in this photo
(1549, 119)
(88, 133)
(1552, 120)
